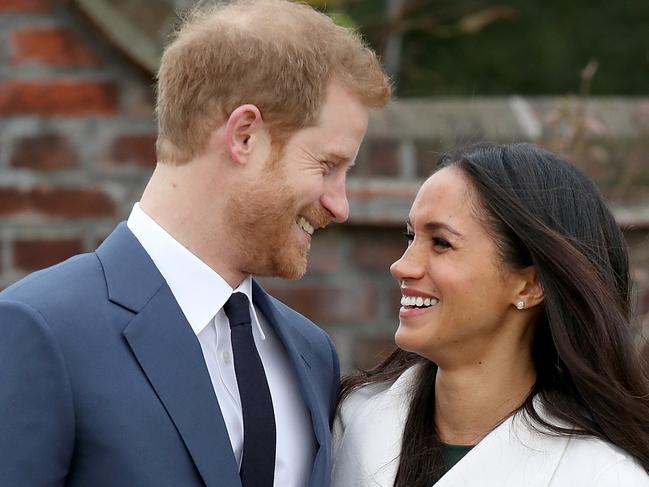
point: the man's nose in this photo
(334, 200)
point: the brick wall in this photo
(76, 147)
(76, 135)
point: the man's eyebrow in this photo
(432, 226)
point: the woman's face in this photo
(452, 265)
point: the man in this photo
(157, 360)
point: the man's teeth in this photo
(418, 301)
(305, 225)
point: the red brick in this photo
(324, 255)
(56, 202)
(378, 252)
(30, 6)
(138, 101)
(369, 351)
(50, 46)
(44, 153)
(383, 158)
(30, 255)
(327, 304)
(388, 191)
(134, 149)
(55, 97)
(11, 201)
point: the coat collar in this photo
(131, 277)
(515, 453)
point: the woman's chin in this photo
(406, 339)
(411, 340)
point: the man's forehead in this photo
(336, 145)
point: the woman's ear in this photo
(242, 131)
(529, 290)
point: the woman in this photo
(517, 364)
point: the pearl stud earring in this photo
(520, 305)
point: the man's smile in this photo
(305, 225)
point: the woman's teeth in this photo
(418, 301)
(305, 225)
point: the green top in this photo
(453, 454)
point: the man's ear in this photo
(530, 291)
(243, 130)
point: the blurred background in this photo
(77, 129)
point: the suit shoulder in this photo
(69, 281)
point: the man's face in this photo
(299, 191)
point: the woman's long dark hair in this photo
(544, 212)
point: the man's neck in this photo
(175, 199)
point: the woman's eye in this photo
(441, 243)
(409, 237)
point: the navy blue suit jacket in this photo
(103, 381)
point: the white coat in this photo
(367, 439)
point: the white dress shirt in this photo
(201, 294)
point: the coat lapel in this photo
(170, 355)
(513, 454)
(368, 432)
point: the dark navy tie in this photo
(258, 462)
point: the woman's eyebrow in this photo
(434, 225)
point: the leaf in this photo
(342, 19)
(472, 23)
(330, 7)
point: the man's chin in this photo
(285, 267)
(290, 265)
(293, 269)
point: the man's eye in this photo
(441, 243)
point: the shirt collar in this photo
(199, 290)
(246, 288)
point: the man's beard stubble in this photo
(262, 217)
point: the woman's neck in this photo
(470, 401)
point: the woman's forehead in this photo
(447, 194)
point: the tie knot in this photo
(237, 310)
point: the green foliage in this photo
(531, 47)
(333, 9)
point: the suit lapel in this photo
(298, 349)
(170, 356)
